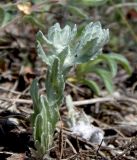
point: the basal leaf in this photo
(106, 77)
(35, 96)
(87, 67)
(110, 61)
(38, 128)
(92, 85)
(122, 61)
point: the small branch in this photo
(105, 99)
(9, 90)
(14, 100)
(83, 102)
(92, 101)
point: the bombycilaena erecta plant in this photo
(64, 50)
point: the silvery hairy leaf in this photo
(36, 100)
(90, 44)
(60, 38)
(57, 39)
(64, 43)
(55, 83)
(44, 126)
